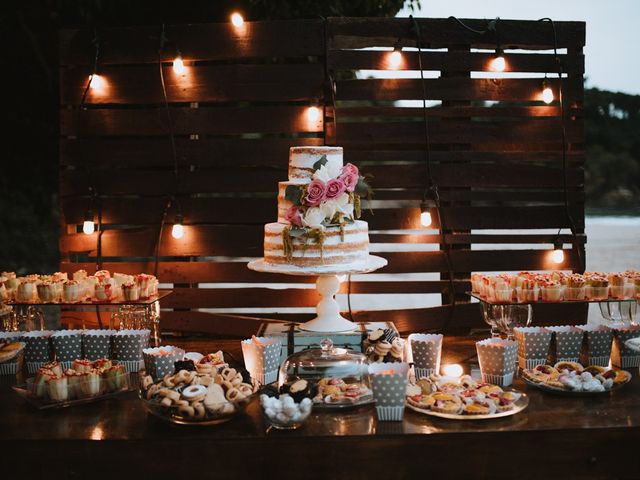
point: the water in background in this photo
(613, 243)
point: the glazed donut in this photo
(147, 381)
(189, 377)
(237, 380)
(233, 395)
(199, 410)
(194, 393)
(228, 373)
(187, 411)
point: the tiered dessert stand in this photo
(328, 317)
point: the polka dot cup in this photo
(38, 349)
(497, 359)
(262, 358)
(67, 346)
(597, 345)
(389, 385)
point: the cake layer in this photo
(302, 159)
(334, 251)
(283, 204)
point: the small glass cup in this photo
(575, 293)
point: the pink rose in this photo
(335, 188)
(316, 192)
(293, 216)
(350, 176)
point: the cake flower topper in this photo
(331, 199)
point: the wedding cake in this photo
(318, 211)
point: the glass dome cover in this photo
(334, 376)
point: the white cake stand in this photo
(328, 317)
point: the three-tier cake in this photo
(318, 211)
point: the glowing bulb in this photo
(96, 82)
(178, 65)
(547, 95)
(178, 230)
(313, 114)
(498, 64)
(88, 227)
(395, 59)
(342, 278)
(558, 255)
(425, 218)
(237, 20)
(452, 370)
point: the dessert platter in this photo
(463, 399)
(190, 397)
(571, 378)
(85, 382)
(318, 231)
(384, 345)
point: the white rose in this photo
(329, 170)
(314, 218)
(329, 208)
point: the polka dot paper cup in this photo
(566, 343)
(262, 358)
(159, 361)
(127, 348)
(425, 351)
(497, 359)
(38, 349)
(596, 349)
(389, 385)
(533, 346)
(97, 344)
(66, 346)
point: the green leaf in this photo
(362, 188)
(296, 232)
(323, 160)
(293, 193)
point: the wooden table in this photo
(556, 437)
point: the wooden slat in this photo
(390, 113)
(453, 61)
(212, 41)
(503, 89)
(200, 83)
(346, 33)
(185, 121)
(138, 182)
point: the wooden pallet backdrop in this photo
(496, 152)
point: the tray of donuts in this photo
(572, 378)
(197, 398)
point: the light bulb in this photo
(88, 227)
(395, 58)
(498, 64)
(425, 218)
(237, 20)
(178, 230)
(313, 114)
(558, 255)
(547, 94)
(178, 66)
(96, 82)
(452, 370)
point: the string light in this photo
(547, 93)
(96, 82)
(313, 114)
(558, 254)
(237, 20)
(89, 226)
(395, 57)
(178, 65)
(177, 231)
(425, 215)
(452, 370)
(498, 64)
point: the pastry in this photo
(540, 373)
(58, 389)
(568, 366)
(445, 403)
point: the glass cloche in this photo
(332, 377)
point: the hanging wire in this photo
(432, 187)
(94, 71)
(565, 182)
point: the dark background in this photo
(29, 167)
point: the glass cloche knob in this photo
(326, 345)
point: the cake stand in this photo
(328, 317)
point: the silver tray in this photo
(571, 393)
(519, 406)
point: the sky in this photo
(612, 56)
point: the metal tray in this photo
(519, 406)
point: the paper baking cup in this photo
(621, 355)
(390, 414)
(66, 346)
(158, 365)
(497, 358)
(38, 348)
(500, 380)
(566, 343)
(597, 345)
(425, 351)
(528, 363)
(262, 361)
(97, 344)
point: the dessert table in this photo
(556, 437)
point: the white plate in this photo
(371, 264)
(520, 405)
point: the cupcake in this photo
(476, 283)
(73, 383)
(597, 287)
(88, 287)
(46, 292)
(501, 290)
(26, 291)
(575, 287)
(552, 291)
(58, 388)
(102, 275)
(82, 366)
(114, 377)
(90, 384)
(71, 291)
(103, 292)
(131, 292)
(528, 291)
(143, 284)
(616, 285)
(60, 277)
(40, 382)
(79, 275)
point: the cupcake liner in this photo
(262, 359)
(389, 390)
(97, 344)
(38, 347)
(9, 368)
(424, 372)
(597, 345)
(426, 350)
(390, 414)
(132, 366)
(621, 355)
(66, 345)
(528, 363)
(497, 358)
(500, 380)
(158, 365)
(566, 343)
(533, 342)
(33, 367)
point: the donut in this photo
(227, 385)
(233, 395)
(166, 401)
(228, 373)
(189, 377)
(237, 380)
(170, 394)
(245, 389)
(153, 389)
(167, 381)
(199, 410)
(181, 403)
(194, 393)
(205, 380)
(187, 411)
